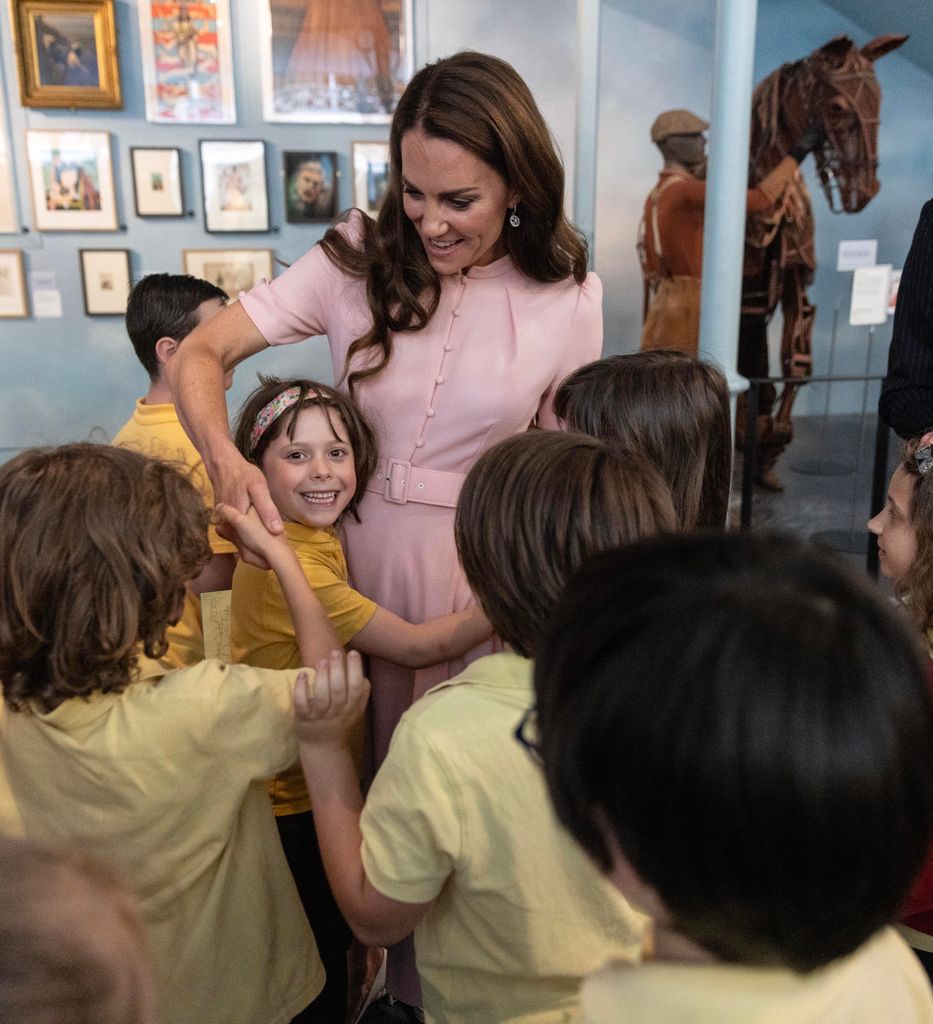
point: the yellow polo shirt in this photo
(880, 983)
(164, 780)
(262, 632)
(459, 814)
(156, 431)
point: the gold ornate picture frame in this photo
(66, 53)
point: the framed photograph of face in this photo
(233, 270)
(310, 186)
(370, 175)
(71, 179)
(12, 284)
(105, 276)
(66, 53)
(187, 60)
(334, 61)
(233, 174)
(9, 214)
(157, 182)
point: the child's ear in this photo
(165, 348)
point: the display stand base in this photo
(822, 467)
(842, 540)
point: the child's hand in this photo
(257, 546)
(326, 712)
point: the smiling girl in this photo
(318, 452)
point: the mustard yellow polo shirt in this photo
(880, 983)
(156, 431)
(164, 780)
(459, 814)
(262, 632)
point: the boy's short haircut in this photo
(670, 406)
(752, 725)
(165, 306)
(312, 394)
(72, 947)
(534, 506)
(96, 546)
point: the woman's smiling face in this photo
(457, 202)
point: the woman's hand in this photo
(326, 713)
(242, 486)
(257, 545)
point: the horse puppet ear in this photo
(836, 49)
(881, 45)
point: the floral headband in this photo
(270, 412)
(924, 459)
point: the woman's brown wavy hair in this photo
(96, 546)
(915, 588)
(481, 103)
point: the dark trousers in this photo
(331, 932)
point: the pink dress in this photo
(486, 365)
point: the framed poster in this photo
(157, 182)
(9, 214)
(334, 61)
(233, 270)
(12, 284)
(233, 175)
(187, 62)
(71, 179)
(310, 186)
(105, 276)
(370, 175)
(66, 53)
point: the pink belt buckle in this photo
(398, 480)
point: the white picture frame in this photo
(233, 178)
(157, 187)
(370, 161)
(232, 270)
(13, 299)
(71, 180)
(105, 281)
(187, 61)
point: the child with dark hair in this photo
(72, 949)
(162, 310)
(318, 454)
(672, 407)
(157, 771)
(759, 780)
(457, 839)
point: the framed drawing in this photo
(105, 276)
(233, 175)
(66, 53)
(310, 186)
(71, 179)
(9, 214)
(233, 270)
(157, 182)
(12, 284)
(335, 61)
(370, 175)
(187, 62)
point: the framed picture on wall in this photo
(157, 182)
(12, 284)
(233, 175)
(310, 186)
(233, 270)
(370, 175)
(105, 276)
(71, 179)
(66, 53)
(187, 60)
(9, 215)
(339, 61)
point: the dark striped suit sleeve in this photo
(906, 402)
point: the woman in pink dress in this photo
(452, 319)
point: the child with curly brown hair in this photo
(157, 771)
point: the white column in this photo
(584, 164)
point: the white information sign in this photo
(857, 253)
(892, 291)
(871, 287)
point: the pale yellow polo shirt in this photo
(459, 814)
(880, 983)
(262, 632)
(156, 431)
(164, 780)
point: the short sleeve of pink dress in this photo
(484, 368)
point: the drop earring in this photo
(514, 218)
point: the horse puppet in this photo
(836, 87)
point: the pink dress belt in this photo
(400, 482)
